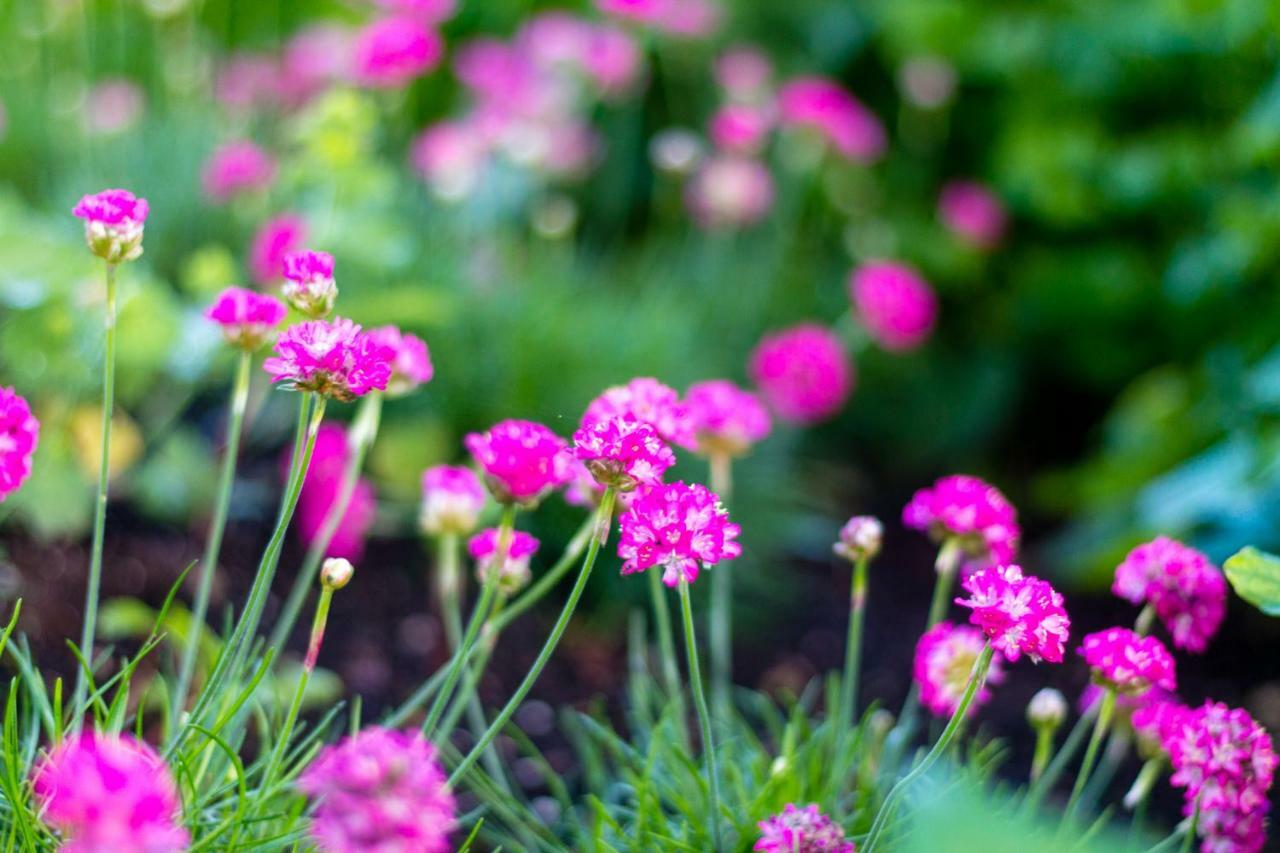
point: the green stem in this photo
(1147, 616)
(847, 710)
(704, 715)
(1044, 748)
(604, 518)
(1091, 752)
(1189, 838)
(667, 646)
(721, 599)
(1070, 746)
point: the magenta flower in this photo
(247, 318)
(678, 527)
(113, 224)
(896, 305)
(612, 60)
(514, 574)
(19, 435)
(319, 498)
(740, 128)
(411, 364)
(974, 513)
(521, 460)
(331, 358)
(235, 168)
(395, 51)
(801, 830)
(744, 73)
(308, 283)
(945, 658)
(379, 789)
(1020, 615)
(623, 453)
(972, 212)
(730, 191)
(1128, 662)
(803, 372)
(452, 498)
(726, 419)
(275, 240)
(649, 401)
(1156, 722)
(108, 793)
(1188, 592)
(840, 118)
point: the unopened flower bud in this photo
(860, 538)
(336, 573)
(308, 283)
(1047, 709)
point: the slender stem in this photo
(1189, 838)
(667, 646)
(704, 715)
(1070, 746)
(604, 518)
(1091, 752)
(847, 710)
(1142, 626)
(721, 599)
(100, 508)
(213, 545)
(467, 699)
(1044, 748)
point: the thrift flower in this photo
(1128, 662)
(802, 830)
(973, 512)
(726, 419)
(730, 191)
(743, 73)
(320, 493)
(803, 372)
(649, 401)
(679, 528)
(1020, 615)
(623, 452)
(944, 662)
(972, 212)
(1047, 709)
(379, 789)
(394, 51)
(19, 435)
(411, 363)
(113, 224)
(309, 284)
(275, 240)
(514, 574)
(236, 168)
(247, 318)
(740, 128)
(106, 793)
(521, 460)
(1188, 593)
(331, 358)
(896, 305)
(452, 498)
(840, 118)
(860, 538)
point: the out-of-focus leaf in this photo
(1255, 576)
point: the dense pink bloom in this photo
(649, 401)
(803, 372)
(730, 191)
(514, 574)
(1188, 592)
(247, 317)
(452, 498)
(113, 224)
(19, 434)
(801, 830)
(1129, 662)
(744, 73)
(822, 105)
(235, 168)
(451, 156)
(411, 363)
(113, 106)
(1019, 614)
(896, 305)
(107, 793)
(428, 11)
(275, 240)
(623, 452)
(394, 51)
(740, 128)
(1156, 721)
(522, 460)
(945, 657)
(726, 419)
(331, 358)
(308, 282)
(379, 789)
(678, 527)
(972, 212)
(971, 511)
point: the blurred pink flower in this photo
(235, 168)
(612, 60)
(740, 128)
(641, 11)
(649, 401)
(314, 58)
(744, 72)
(334, 359)
(19, 435)
(514, 573)
(522, 460)
(801, 830)
(972, 212)
(247, 82)
(1019, 614)
(1185, 589)
(679, 528)
(730, 191)
(944, 660)
(428, 11)
(452, 498)
(451, 157)
(318, 500)
(248, 319)
(726, 419)
(897, 306)
(276, 239)
(113, 106)
(1129, 662)
(822, 105)
(803, 372)
(973, 512)
(395, 51)
(411, 361)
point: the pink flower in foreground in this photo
(972, 212)
(106, 793)
(803, 372)
(394, 51)
(649, 401)
(113, 224)
(726, 419)
(1019, 614)
(247, 318)
(822, 105)
(331, 358)
(522, 460)
(379, 789)
(740, 128)
(678, 527)
(514, 574)
(1188, 592)
(801, 830)
(235, 168)
(275, 240)
(896, 305)
(973, 512)
(623, 452)
(308, 282)
(945, 657)
(452, 498)
(19, 435)
(1129, 662)
(411, 361)
(730, 191)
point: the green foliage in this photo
(1255, 576)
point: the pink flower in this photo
(971, 511)
(726, 419)
(105, 793)
(729, 191)
(522, 460)
(740, 128)
(247, 81)
(308, 282)
(331, 358)
(427, 11)
(841, 119)
(1020, 615)
(319, 496)
(803, 372)
(945, 657)
(744, 73)
(691, 18)
(1129, 662)
(451, 157)
(247, 318)
(275, 240)
(640, 11)
(623, 452)
(801, 830)
(1158, 721)
(113, 224)
(314, 58)
(649, 401)
(235, 168)
(19, 435)
(612, 60)
(113, 106)
(379, 789)
(394, 51)
(860, 538)
(514, 574)
(679, 528)
(452, 498)
(1188, 592)
(411, 360)
(972, 212)
(896, 305)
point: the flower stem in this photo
(667, 646)
(1044, 748)
(1142, 626)
(721, 475)
(704, 715)
(1091, 752)
(847, 710)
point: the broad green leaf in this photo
(1255, 576)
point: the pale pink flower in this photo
(247, 81)
(647, 400)
(730, 191)
(641, 11)
(334, 359)
(113, 106)
(235, 168)
(451, 157)
(314, 58)
(679, 528)
(452, 498)
(740, 128)
(308, 282)
(803, 373)
(113, 224)
(897, 306)
(860, 538)
(623, 452)
(107, 793)
(744, 72)
(411, 363)
(726, 419)
(569, 148)
(276, 239)
(1019, 614)
(395, 51)
(1188, 592)
(971, 511)
(19, 435)
(612, 60)
(379, 789)
(1129, 662)
(841, 119)
(521, 460)
(427, 11)
(801, 830)
(945, 658)
(972, 212)
(514, 574)
(693, 19)
(248, 318)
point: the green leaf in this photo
(1255, 576)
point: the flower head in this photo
(896, 305)
(744, 73)
(1128, 662)
(678, 527)
(411, 363)
(740, 128)
(379, 789)
(972, 212)
(514, 573)
(113, 224)
(841, 119)
(726, 419)
(521, 460)
(803, 372)
(275, 240)
(1019, 614)
(106, 793)
(235, 168)
(19, 435)
(730, 191)
(334, 359)
(1188, 592)
(452, 498)
(309, 284)
(336, 572)
(974, 513)
(648, 401)
(1047, 709)
(860, 538)
(801, 830)
(394, 51)
(623, 452)
(945, 657)
(247, 318)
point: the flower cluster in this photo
(896, 305)
(321, 490)
(1019, 614)
(1187, 592)
(19, 434)
(513, 574)
(1128, 662)
(247, 318)
(973, 513)
(308, 282)
(335, 359)
(452, 498)
(235, 168)
(726, 419)
(410, 361)
(678, 527)
(803, 372)
(379, 789)
(522, 461)
(802, 830)
(623, 453)
(649, 401)
(113, 224)
(945, 658)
